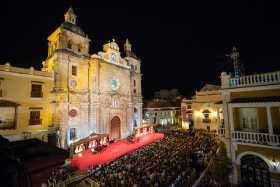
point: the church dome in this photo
(111, 45)
(73, 28)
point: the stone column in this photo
(231, 120)
(64, 138)
(92, 117)
(269, 120)
(227, 123)
(158, 116)
(225, 80)
(84, 122)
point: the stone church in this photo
(93, 93)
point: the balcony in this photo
(255, 80)
(7, 125)
(35, 121)
(256, 138)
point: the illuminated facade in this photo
(204, 110)
(98, 93)
(25, 102)
(162, 115)
(251, 106)
(162, 111)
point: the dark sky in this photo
(181, 45)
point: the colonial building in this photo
(186, 113)
(163, 109)
(204, 110)
(162, 116)
(25, 102)
(98, 93)
(251, 107)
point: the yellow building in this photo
(204, 110)
(25, 102)
(251, 106)
(78, 93)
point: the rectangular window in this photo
(72, 134)
(74, 70)
(35, 118)
(7, 117)
(36, 90)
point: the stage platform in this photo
(113, 151)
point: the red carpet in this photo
(113, 151)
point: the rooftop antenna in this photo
(235, 57)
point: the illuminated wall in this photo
(16, 88)
(206, 112)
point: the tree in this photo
(221, 167)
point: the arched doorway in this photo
(254, 172)
(115, 128)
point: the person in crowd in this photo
(176, 160)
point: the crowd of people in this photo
(61, 174)
(176, 160)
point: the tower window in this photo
(69, 45)
(74, 70)
(134, 83)
(134, 91)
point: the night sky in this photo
(181, 46)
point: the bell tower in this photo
(68, 55)
(135, 75)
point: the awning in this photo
(6, 103)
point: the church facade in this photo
(92, 93)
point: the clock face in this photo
(73, 113)
(113, 57)
(115, 83)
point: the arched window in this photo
(80, 48)
(69, 45)
(254, 171)
(206, 118)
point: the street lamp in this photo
(275, 163)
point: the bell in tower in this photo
(70, 16)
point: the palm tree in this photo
(221, 167)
